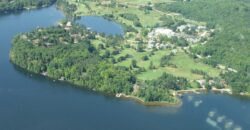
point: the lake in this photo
(29, 102)
(101, 25)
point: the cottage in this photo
(69, 24)
(221, 66)
(232, 70)
(202, 82)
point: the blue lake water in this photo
(101, 25)
(29, 102)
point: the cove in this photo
(101, 25)
(30, 102)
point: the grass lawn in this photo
(182, 70)
(146, 19)
(150, 74)
(138, 57)
(141, 1)
(186, 64)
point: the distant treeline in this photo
(8, 6)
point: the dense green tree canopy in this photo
(54, 52)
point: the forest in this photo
(8, 6)
(230, 43)
(76, 63)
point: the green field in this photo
(146, 19)
(142, 1)
(184, 63)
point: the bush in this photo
(145, 58)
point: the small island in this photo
(161, 55)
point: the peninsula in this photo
(165, 50)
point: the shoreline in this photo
(121, 96)
(153, 103)
(202, 90)
(177, 94)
